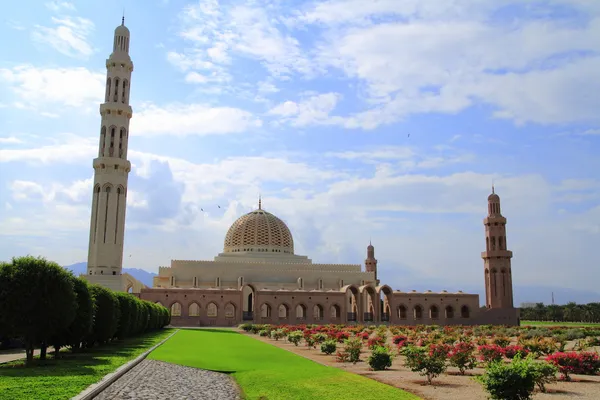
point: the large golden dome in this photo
(259, 231)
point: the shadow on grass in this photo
(215, 330)
(85, 362)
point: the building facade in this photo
(258, 277)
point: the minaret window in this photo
(112, 142)
(119, 192)
(500, 243)
(108, 82)
(116, 95)
(493, 243)
(102, 141)
(124, 94)
(107, 190)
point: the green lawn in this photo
(551, 323)
(69, 375)
(266, 372)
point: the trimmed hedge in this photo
(45, 305)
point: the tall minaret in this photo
(111, 169)
(371, 261)
(496, 258)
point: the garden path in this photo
(13, 355)
(151, 380)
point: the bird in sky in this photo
(219, 206)
(202, 210)
(409, 135)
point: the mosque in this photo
(258, 277)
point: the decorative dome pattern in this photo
(259, 231)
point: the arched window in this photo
(335, 311)
(434, 312)
(116, 95)
(402, 312)
(449, 312)
(108, 82)
(464, 312)
(320, 284)
(194, 310)
(300, 311)
(283, 311)
(176, 309)
(318, 312)
(487, 243)
(124, 94)
(122, 136)
(418, 312)
(493, 243)
(211, 310)
(102, 141)
(265, 311)
(111, 149)
(300, 283)
(229, 311)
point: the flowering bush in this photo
(380, 359)
(342, 336)
(501, 341)
(363, 335)
(440, 350)
(342, 357)
(586, 363)
(490, 353)
(512, 351)
(419, 359)
(462, 356)
(397, 339)
(295, 337)
(353, 347)
(277, 334)
(375, 341)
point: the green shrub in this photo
(544, 373)
(246, 327)
(329, 347)
(514, 381)
(264, 333)
(380, 359)
(277, 334)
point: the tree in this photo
(38, 301)
(106, 316)
(82, 323)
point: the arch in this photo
(129, 288)
(159, 303)
(176, 309)
(418, 312)
(402, 311)
(318, 312)
(265, 310)
(212, 310)
(248, 298)
(369, 299)
(335, 311)
(449, 312)
(434, 312)
(116, 91)
(352, 301)
(300, 283)
(102, 141)
(283, 311)
(108, 89)
(95, 205)
(229, 310)
(465, 312)
(385, 294)
(124, 93)
(194, 309)
(300, 311)
(122, 139)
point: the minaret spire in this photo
(259, 202)
(111, 170)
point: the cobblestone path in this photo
(154, 380)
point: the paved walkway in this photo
(12, 355)
(151, 380)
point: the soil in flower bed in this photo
(450, 385)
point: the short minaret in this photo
(496, 258)
(371, 261)
(111, 170)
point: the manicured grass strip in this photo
(69, 375)
(266, 372)
(552, 323)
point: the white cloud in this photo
(312, 110)
(10, 140)
(70, 36)
(191, 119)
(68, 149)
(55, 87)
(57, 6)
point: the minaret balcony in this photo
(111, 163)
(116, 108)
(497, 254)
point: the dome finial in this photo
(123, 18)
(493, 190)
(259, 202)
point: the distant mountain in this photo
(143, 276)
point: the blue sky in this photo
(312, 104)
